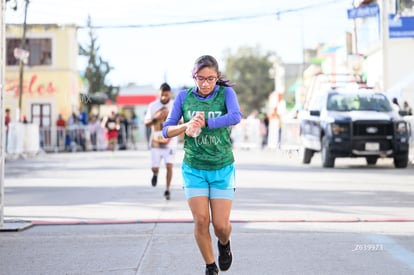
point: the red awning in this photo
(132, 100)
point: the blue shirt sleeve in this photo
(176, 113)
(233, 115)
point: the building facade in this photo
(51, 82)
(384, 37)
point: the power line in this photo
(203, 21)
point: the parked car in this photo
(359, 122)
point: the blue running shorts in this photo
(214, 184)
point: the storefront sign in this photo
(366, 11)
(401, 27)
(33, 87)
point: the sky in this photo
(147, 54)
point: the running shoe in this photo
(225, 256)
(212, 270)
(167, 195)
(154, 180)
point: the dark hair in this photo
(395, 101)
(165, 87)
(210, 62)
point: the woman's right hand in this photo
(198, 119)
(195, 124)
(193, 128)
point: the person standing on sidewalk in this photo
(112, 130)
(60, 132)
(208, 166)
(7, 121)
(161, 148)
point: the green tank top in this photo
(212, 149)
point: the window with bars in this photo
(41, 114)
(40, 51)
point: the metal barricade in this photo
(73, 138)
(132, 136)
(77, 138)
(57, 139)
(45, 138)
(290, 139)
(246, 134)
(14, 139)
(410, 120)
(60, 139)
(22, 139)
(123, 137)
(31, 142)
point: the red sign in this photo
(33, 87)
(133, 100)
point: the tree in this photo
(406, 4)
(249, 70)
(96, 72)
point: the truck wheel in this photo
(307, 155)
(401, 161)
(327, 160)
(371, 160)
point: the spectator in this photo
(112, 128)
(83, 118)
(7, 120)
(123, 132)
(407, 109)
(264, 128)
(94, 130)
(46, 58)
(60, 131)
(395, 104)
(24, 119)
(60, 122)
(133, 129)
(100, 137)
(76, 135)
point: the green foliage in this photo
(97, 68)
(249, 69)
(406, 4)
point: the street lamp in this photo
(21, 62)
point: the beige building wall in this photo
(57, 84)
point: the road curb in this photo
(284, 220)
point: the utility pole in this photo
(21, 62)
(2, 127)
(11, 226)
(302, 42)
(385, 43)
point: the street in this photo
(97, 213)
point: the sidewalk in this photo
(96, 213)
